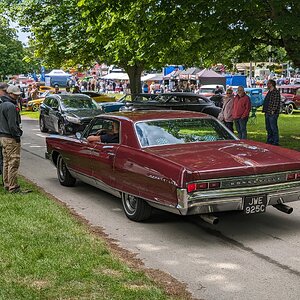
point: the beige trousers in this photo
(11, 162)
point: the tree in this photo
(145, 34)
(11, 50)
(139, 35)
(250, 26)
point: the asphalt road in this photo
(242, 257)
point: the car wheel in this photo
(289, 109)
(136, 209)
(61, 129)
(63, 174)
(35, 107)
(42, 125)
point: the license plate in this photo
(255, 204)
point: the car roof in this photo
(146, 115)
(181, 94)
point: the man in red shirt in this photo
(240, 112)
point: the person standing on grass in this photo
(225, 114)
(3, 98)
(271, 108)
(10, 139)
(241, 111)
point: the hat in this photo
(3, 86)
(12, 89)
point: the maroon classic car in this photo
(179, 161)
(291, 97)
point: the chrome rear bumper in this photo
(233, 199)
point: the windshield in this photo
(180, 131)
(79, 103)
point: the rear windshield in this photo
(181, 131)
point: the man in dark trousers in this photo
(271, 108)
(3, 98)
(10, 139)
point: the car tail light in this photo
(293, 176)
(192, 187)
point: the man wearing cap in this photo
(3, 98)
(10, 138)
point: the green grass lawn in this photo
(47, 253)
(288, 129)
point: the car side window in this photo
(99, 126)
(47, 101)
(54, 103)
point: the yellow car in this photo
(34, 105)
(44, 88)
(98, 97)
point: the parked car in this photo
(34, 105)
(123, 104)
(175, 101)
(67, 113)
(291, 97)
(179, 161)
(256, 96)
(98, 97)
(209, 90)
(111, 106)
(44, 88)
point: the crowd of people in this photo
(236, 110)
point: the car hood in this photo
(229, 158)
(84, 113)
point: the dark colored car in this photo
(180, 161)
(67, 113)
(291, 97)
(175, 101)
(120, 105)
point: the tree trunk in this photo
(134, 73)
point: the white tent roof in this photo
(116, 75)
(155, 77)
(58, 72)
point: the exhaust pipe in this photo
(211, 219)
(284, 208)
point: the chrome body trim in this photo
(94, 182)
(118, 193)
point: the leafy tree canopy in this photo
(11, 51)
(144, 34)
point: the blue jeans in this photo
(241, 127)
(272, 129)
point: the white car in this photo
(209, 90)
